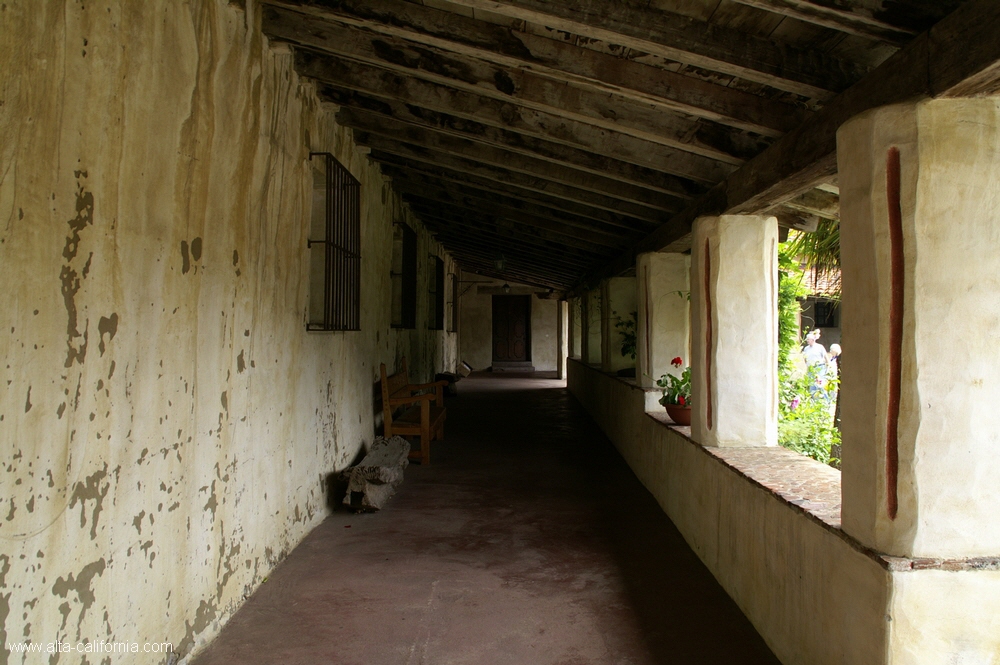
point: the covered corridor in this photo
(527, 540)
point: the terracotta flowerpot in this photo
(679, 414)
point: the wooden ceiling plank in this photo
(518, 163)
(929, 66)
(492, 246)
(556, 58)
(550, 264)
(421, 131)
(465, 108)
(852, 20)
(416, 183)
(484, 268)
(464, 170)
(676, 37)
(571, 236)
(541, 93)
(475, 186)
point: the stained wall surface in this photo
(167, 423)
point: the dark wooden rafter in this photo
(568, 235)
(510, 161)
(555, 262)
(484, 267)
(551, 265)
(555, 58)
(676, 37)
(482, 188)
(417, 183)
(930, 66)
(695, 171)
(496, 179)
(816, 202)
(838, 16)
(524, 87)
(464, 112)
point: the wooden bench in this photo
(420, 417)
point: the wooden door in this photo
(511, 328)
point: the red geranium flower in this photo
(680, 400)
(677, 362)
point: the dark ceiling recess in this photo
(569, 135)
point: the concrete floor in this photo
(526, 541)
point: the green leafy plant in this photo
(627, 330)
(805, 423)
(676, 389)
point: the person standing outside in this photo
(816, 361)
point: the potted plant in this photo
(677, 393)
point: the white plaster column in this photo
(734, 345)
(592, 327)
(920, 250)
(562, 336)
(664, 320)
(618, 301)
(575, 326)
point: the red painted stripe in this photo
(896, 267)
(708, 336)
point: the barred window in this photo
(454, 303)
(334, 247)
(437, 294)
(404, 276)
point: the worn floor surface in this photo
(526, 541)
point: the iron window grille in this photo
(404, 277)
(437, 291)
(334, 247)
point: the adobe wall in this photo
(167, 422)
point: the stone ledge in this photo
(813, 488)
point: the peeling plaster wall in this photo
(167, 423)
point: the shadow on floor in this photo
(527, 540)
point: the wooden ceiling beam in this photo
(471, 213)
(556, 58)
(930, 66)
(493, 157)
(714, 47)
(853, 20)
(479, 266)
(508, 123)
(675, 171)
(521, 86)
(465, 171)
(416, 183)
(547, 265)
(816, 202)
(418, 174)
(511, 249)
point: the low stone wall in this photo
(766, 523)
(814, 597)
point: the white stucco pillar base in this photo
(618, 299)
(734, 344)
(664, 321)
(920, 246)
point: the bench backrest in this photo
(390, 386)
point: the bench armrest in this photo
(397, 401)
